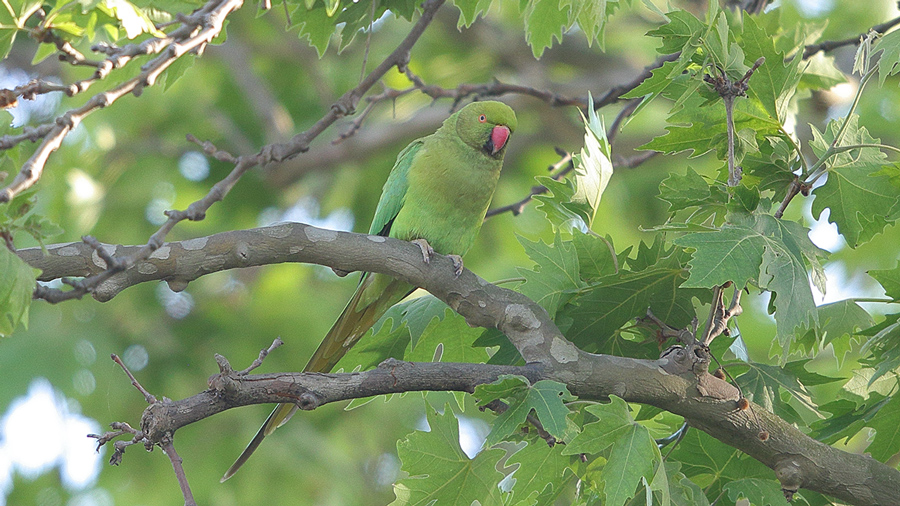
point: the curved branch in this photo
(311, 390)
(668, 383)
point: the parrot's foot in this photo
(457, 264)
(340, 272)
(427, 250)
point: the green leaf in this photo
(177, 69)
(703, 456)
(887, 431)
(889, 46)
(469, 10)
(707, 125)
(613, 421)
(506, 354)
(555, 274)
(592, 16)
(759, 492)
(448, 340)
(614, 300)
(400, 330)
(761, 249)
(544, 21)
(743, 199)
(316, 26)
(681, 33)
(772, 168)
(596, 255)
(633, 456)
(690, 190)
(556, 204)
(889, 280)
(862, 200)
(416, 313)
(775, 81)
(659, 81)
(17, 282)
(439, 471)
(847, 418)
(544, 397)
(683, 491)
(764, 383)
(542, 473)
(131, 18)
(821, 73)
(882, 351)
(8, 31)
(633, 453)
(837, 321)
(867, 381)
(730, 254)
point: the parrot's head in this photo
(486, 126)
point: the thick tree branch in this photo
(668, 383)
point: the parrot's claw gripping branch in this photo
(427, 250)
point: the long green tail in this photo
(374, 296)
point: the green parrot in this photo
(436, 196)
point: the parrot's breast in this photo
(450, 188)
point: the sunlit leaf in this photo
(440, 471)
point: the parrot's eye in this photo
(482, 118)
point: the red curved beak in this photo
(499, 136)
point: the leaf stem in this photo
(509, 280)
(814, 171)
(884, 300)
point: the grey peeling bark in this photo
(707, 403)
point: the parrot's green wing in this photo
(394, 193)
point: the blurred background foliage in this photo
(122, 167)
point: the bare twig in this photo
(624, 114)
(150, 398)
(262, 356)
(633, 161)
(717, 322)
(729, 90)
(168, 447)
(210, 149)
(165, 442)
(831, 45)
(120, 429)
(206, 23)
